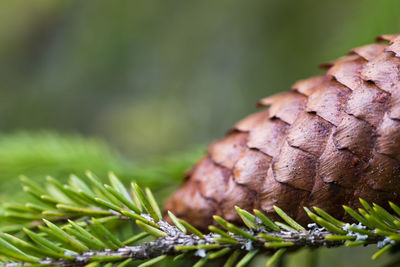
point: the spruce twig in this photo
(71, 227)
(176, 239)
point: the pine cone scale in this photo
(388, 140)
(268, 136)
(328, 101)
(368, 103)
(251, 169)
(307, 86)
(369, 52)
(330, 140)
(284, 106)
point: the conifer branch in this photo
(72, 225)
(178, 242)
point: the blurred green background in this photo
(126, 84)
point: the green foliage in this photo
(42, 154)
(77, 224)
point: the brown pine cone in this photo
(328, 142)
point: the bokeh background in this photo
(140, 86)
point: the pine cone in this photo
(331, 140)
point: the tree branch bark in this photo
(313, 238)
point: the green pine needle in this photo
(285, 227)
(232, 259)
(247, 218)
(125, 263)
(219, 253)
(289, 220)
(66, 238)
(329, 218)
(150, 229)
(221, 221)
(267, 237)
(357, 216)
(395, 208)
(176, 222)
(201, 262)
(247, 258)
(146, 203)
(327, 225)
(184, 248)
(191, 228)
(9, 250)
(236, 230)
(267, 222)
(382, 251)
(135, 216)
(276, 257)
(216, 230)
(355, 243)
(153, 203)
(135, 238)
(153, 261)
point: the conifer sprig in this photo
(74, 225)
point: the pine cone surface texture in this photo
(329, 141)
